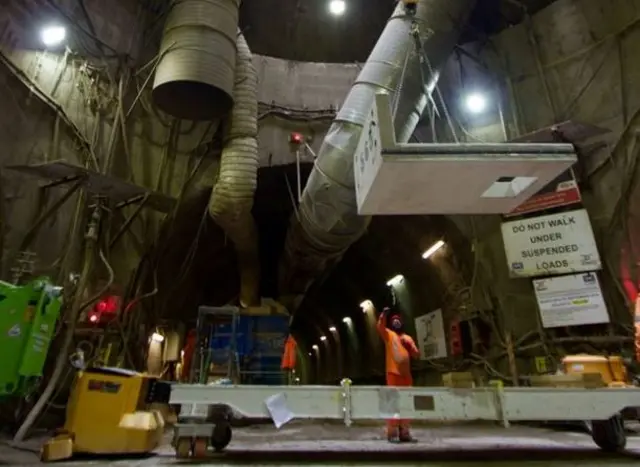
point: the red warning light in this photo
(296, 138)
(105, 310)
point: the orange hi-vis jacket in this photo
(289, 355)
(399, 349)
(637, 327)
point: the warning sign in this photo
(555, 244)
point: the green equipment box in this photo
(28, 318)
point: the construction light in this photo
(346, 320)
(52, 36)
(476, 103)
(323, 338)
(366, 305)
(296, 138)
(157, 337)
(432, 249)
(332, 329)
(337, 7)
(315, 347)
(395, 280)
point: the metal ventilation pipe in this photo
(328, 222)
(232, 198)
(196, 68)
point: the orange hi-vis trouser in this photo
(397, 427)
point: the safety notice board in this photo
(560, 243)
(570, 300)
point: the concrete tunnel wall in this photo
(572, 36)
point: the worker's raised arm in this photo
(381, 325)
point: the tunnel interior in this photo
(203, 271)
(83, 106)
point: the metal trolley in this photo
(206, 411)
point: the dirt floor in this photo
(329, 444)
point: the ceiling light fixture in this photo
(366, 305)
(315, 347)
(157, 337)
(337, 7)
(395, 280)
(432, 249)
(52, 36)
(332, 329)
(323, 338)
(476, 103)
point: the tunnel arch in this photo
(393, 245)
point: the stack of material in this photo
(459, 380)
(576, 380)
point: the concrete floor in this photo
(328, 444)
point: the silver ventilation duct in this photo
(196, 68)
(232, 198)
(328, 223)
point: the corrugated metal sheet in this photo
(195, 74)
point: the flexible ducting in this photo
(196, 66)
(328, 222)
(232, 198)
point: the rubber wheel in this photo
(221, 436)
(609, 435)
(200, 446)
(183, 448)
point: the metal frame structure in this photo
(205, 314)
(206, 410)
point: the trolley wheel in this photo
(183, 448)
(609, 435)
(200, 446)
(221, 436)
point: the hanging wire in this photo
(424, 60)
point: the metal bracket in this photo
(346, 401)
(498, 391)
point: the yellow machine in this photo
(611, 369)
(109, 413)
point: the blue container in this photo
(259, 345)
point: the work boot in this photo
(393, 436)
(405, 437)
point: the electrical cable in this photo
(76, 307)
(75, 25)
(34, 87)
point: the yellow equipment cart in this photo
(109, 413)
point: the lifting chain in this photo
(424, 60)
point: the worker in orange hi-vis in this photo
(399, 349)
(187, 355)
(289, 358)
(637, 327)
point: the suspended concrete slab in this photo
(466, 178)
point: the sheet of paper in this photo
(277, 407)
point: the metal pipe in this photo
(461, 149)
(329, 222)
(91, 239)
(298, 175)
(231, 201)
(194, 77)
